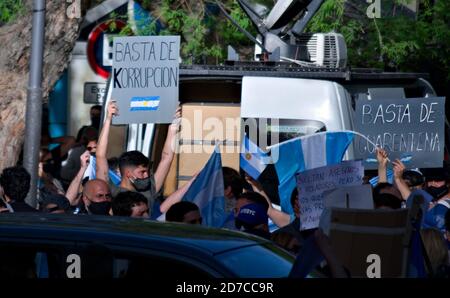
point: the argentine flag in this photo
(252, 158)
(149, 103)
(306, 153)
(91, 172)
(389, 175)
(207, 192)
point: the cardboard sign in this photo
(411, 130)
(145, 78)
(313, 184)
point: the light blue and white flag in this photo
(91, 172)
(306, 153)
(149, 103)
(252, 158)
(207, 192)
(389, 175)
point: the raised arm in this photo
(401, 184)
(177, 196)
(279, 218)
(102, 146)
(168, 152)
(74, 187)
(382, 159)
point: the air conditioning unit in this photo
(324, 49)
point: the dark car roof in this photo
(133, 232)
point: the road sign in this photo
(99, 47)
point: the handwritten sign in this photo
(145, 78)
(408, 129)
(313, 184)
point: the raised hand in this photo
(112, 110)
(84, 159)
(382, 156)
(399, 168)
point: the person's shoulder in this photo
(115, 189)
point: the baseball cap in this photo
(253, 214)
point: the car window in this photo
(99, 261)
(257, 262)
(65, 260)
(139, 267)
(33, 261)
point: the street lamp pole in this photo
(34, 100)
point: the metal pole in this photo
(34, 100)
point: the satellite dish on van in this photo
(284, 12)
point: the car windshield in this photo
(257, 262)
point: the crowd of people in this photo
(63, 188)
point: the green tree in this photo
(204, 30)
(396, 41)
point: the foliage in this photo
(204, 30)
(10, 10)
(396, 41)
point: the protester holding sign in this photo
(134, 166)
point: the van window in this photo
(288, 129)
(281, 130)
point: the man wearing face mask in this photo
(134, 166)
(96, 198)
(437, 187)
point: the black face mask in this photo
(437, 192)
(101, 208)
(95, 121)
(141, 184)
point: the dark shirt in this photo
(293, 229)
(260, 233)
(22, 207)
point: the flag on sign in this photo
(306, 153)
(150, 103)
(91, 172)
(252, 158)
(207, 192)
